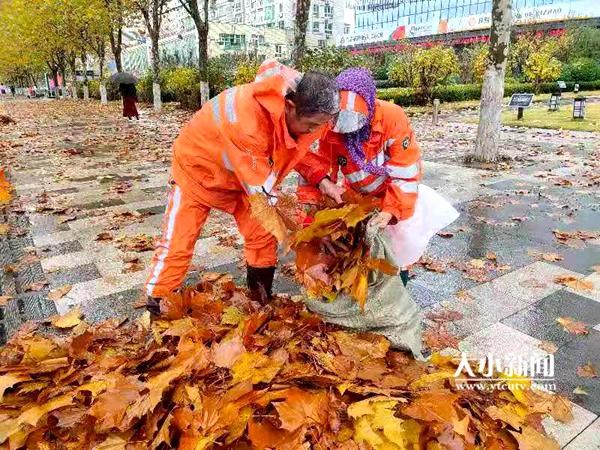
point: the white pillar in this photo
(103, 94)
(156, 96)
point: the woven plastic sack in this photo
(389, 310)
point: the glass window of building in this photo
(315, 27)
(346, 28)
(315, 10)
(278, 50)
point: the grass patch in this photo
(540, 117)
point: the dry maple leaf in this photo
(587, 371)
(268, 216)
(4, 227)
(137, 243)
(37, 286)
(104, 236)
(432, 265)
(444, 315)
(4, 299)
(439, 338)
(464, 296)
(60, 292)
(575, 283)
(68, 320)
(572, 326)
(445, 234)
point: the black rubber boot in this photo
(260, 283)
(153, 306)
(404, 277)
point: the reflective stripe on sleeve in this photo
(372, 187)
(410, 187)
(404, 172)
(230, 105)
(216, 109)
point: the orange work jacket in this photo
(392, 144)
(239, 142)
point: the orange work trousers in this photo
(182, 224)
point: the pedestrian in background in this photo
(129, 94)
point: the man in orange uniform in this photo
(373, 144)
(244, 141)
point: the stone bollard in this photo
(436, 110)
(86, 92)
(103, 94)
(204, 92)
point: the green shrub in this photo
(144, 88)
(462, 92)
(581, 69)
(183, 85)
(245, 72)
(94, 88)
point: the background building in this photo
(380, 21)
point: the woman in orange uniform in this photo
(244, 141)
(373, 144)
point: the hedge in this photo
(462, 92)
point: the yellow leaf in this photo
(360, 289)
(256, 367)
(58, 293)
(477, 263)
(232, 316)
(343, 387)
(3, 229)
(429, 378)
(32, 415)
(95, 387)
(68, 320)
(9, 380)
(236, 430)
(37, 348)
(268, 216)
(530, 439)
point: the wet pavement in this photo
(80, 171)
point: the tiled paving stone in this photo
(152, 210)
(529, 284)
(588, 439)
(120, 305)
(100, 204)
(539, 319)
(578, 352)
(43, 224)
(594, 294)
(444, 284)
(502, 342)
(423, 296)
(566, 432)
(62, 248)
(73, 275)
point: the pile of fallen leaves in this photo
(332, 253)
(217, 370)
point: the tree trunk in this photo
(492, 92)
(203, 52)
(103, 93)
(302, 13)
(73, 67)
(156, 73)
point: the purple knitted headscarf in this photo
(359, 80)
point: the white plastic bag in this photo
(410, 237)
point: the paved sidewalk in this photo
(100, 166)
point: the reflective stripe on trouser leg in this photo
(181, 226)
(260, 246)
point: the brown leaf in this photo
(587, 371)
(444, 315)
(104, 236)
(445, 234)
(268, 216)
(477, 263)
(464, 296)
(37, 286)
(439, 338)
(575, 283)
(432, 265)
(4, 299)
(4, 229)
(138, 243)
(572, 326)
(301, 408)
(58, 293)
(491, 256)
